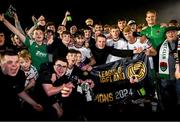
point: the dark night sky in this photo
(105, 12)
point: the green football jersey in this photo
(156, 34)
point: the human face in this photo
(100, 42)
(78, 57)
(61, 29)
(87, 34)
(151, 19)
(60, 68)
(66, 38)
(171, 35)
(98, 28)
(38, 35)
(106, 29)
(133, 27)
(2, 39)
(17, 41)
(80, 41)
(128, 35)
(71, 58)
(10, 65)
(121, 24)
(49, 34)
(25, 63)
(97, 33)
(73, 29)
(115, 33)
(51, 27)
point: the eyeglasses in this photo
(61, 66)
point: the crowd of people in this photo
(45, 69)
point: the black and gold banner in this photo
(112, 80)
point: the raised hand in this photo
(35, 21)
(41, 21)
(15, 16)
(67, 13)
(67, 89)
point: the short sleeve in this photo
(27, 42)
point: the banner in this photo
(112, 80)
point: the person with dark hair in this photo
(52, 86)
(60, 29)
(59, 48)
(17, 43)
(12, 81)
(3, 44)
(88, 36)
(97, 30)
(122, 22)
(50, 26)
(6, 43)
(87, 56)
(74, 105)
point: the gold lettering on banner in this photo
(112, 75)
(104, 98)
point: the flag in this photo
(112, 80)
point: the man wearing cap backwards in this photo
(154, 31)
(132, 24)
(166, 68)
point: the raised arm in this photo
(17, 23)
(12, 28)
(37, 22)
(30, 32)
(65, 18)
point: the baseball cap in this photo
(171, 28)
(130, 22)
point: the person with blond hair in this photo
(30, 71)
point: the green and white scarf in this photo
(163, 60)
